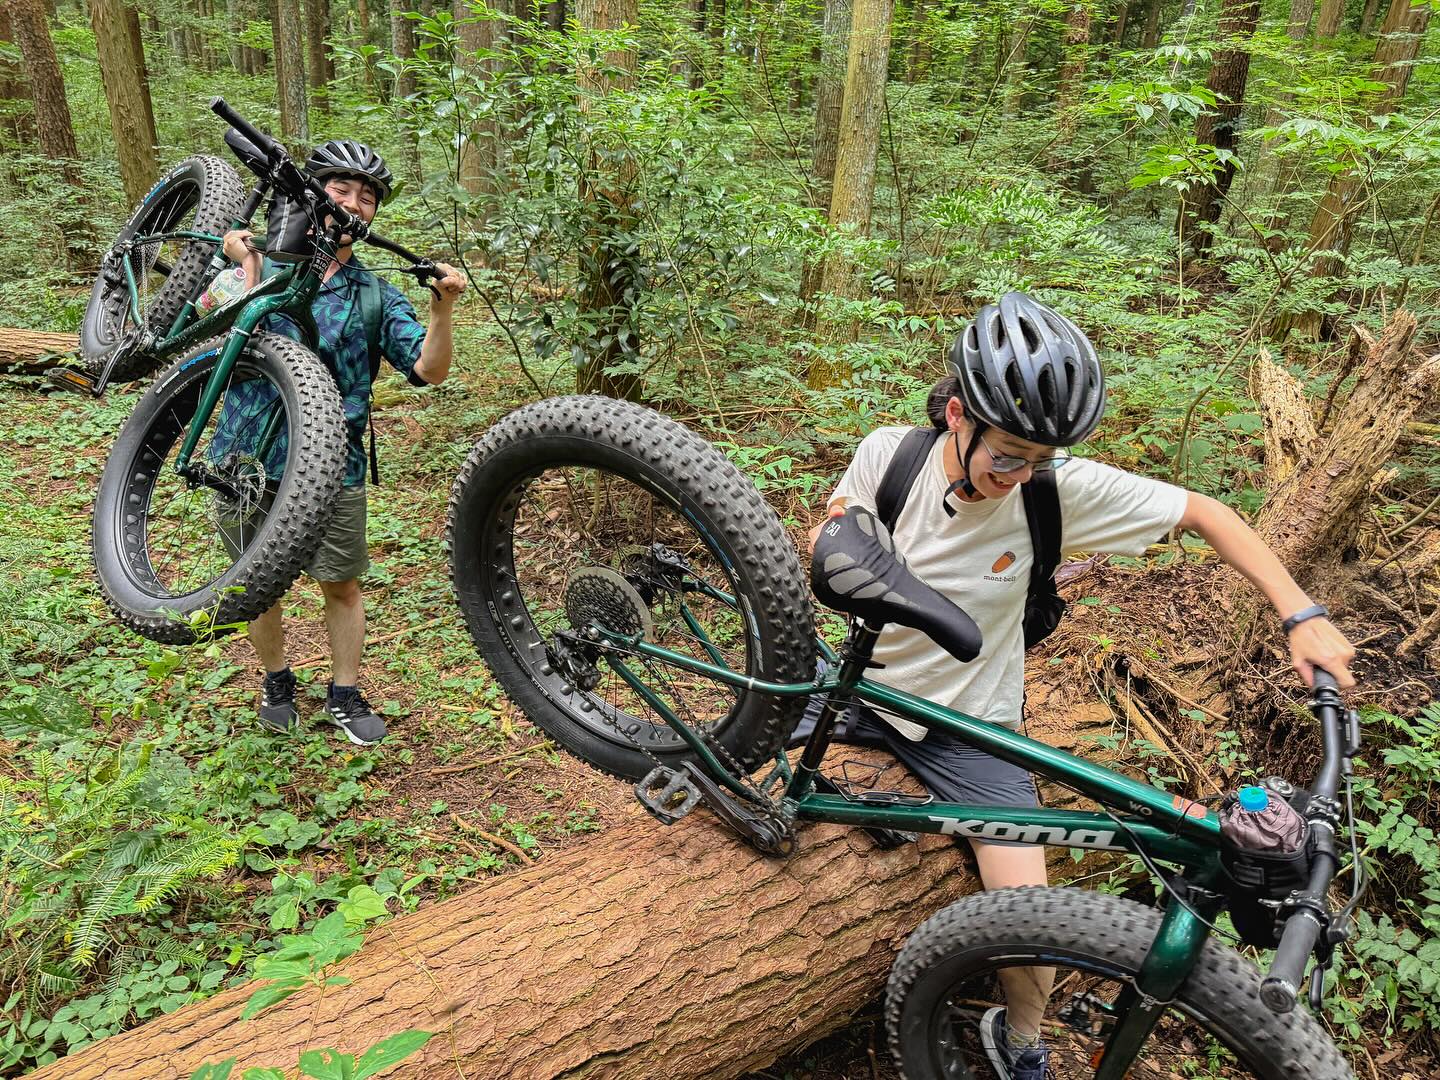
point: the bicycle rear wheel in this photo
(227, 541)
(583, 510)
(201, 194)
(946, 979)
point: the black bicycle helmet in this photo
(1029, 371)
(346, 157)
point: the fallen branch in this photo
(448, 770)
(33, 352)
(319, 658)
(491, 838)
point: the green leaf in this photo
(362, 904)
(264, 1074)
(216, 1070)
(389, 1051)
(327, 1064)
(262, 999)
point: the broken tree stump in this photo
(32, 352)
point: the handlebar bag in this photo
(288, 236)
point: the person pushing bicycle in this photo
(352, 307)
(1024, 386)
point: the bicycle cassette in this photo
(595, 594)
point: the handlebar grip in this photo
(1324, 680)
(221, 108)
(1281, 987)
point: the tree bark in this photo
(646, 952)
(234, 27)
(829, 95)
(479, 152)
(555, 15)
(917, 67)
(857, 150)
(610, 282)
(290, 72)
(1151, 37)
(1330, 228)
(32, 352)
(1220, 127)
(402, 35)
(12, 84)
(53, 126)
(122, 69)
(317, 29)
(1367, 17)
(1071, 81)
(1331, 14)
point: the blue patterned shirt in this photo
(342, 350)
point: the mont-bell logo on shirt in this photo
(999, 566)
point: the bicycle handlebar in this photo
(294, 181)
(1309, 917)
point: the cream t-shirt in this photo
(981, 559)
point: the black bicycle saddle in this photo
(856, 569)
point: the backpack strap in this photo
(370, 299)
(1042, 514)
(900, 474)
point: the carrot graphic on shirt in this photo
(1003, 562)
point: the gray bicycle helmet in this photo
(1029, 371)
(346, 157)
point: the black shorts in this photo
(951, 770)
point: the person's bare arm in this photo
(1313, 643)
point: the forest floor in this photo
(462, 789)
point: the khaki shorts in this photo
(343, 553)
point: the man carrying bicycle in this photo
(357, 178)
(1025, 385)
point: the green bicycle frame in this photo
(1162, 827)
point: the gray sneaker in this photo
(277, 702)
(348, 710)
(1009, 1062)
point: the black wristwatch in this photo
(1315, 611)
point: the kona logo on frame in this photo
(1030, 834)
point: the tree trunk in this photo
(917, 68)
(122, 69)
(234, 27)
(610, 282)
(32, 352)
(317, 29)
(829, 94)
(1012, 60)
(478, 152)
(1331, 14)
(402, 35)
(137, 50)
(12, 84)
(1298, 25)
(1071, 82)
(53, 126)
(555, 15)
(290, 72)
(1151, 36)
(1220, 127)
(857, 150)
(1330, 228)
(647, 952)
(364, 34)
(1367, 17)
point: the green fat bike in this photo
(638, 599)
(221, 481)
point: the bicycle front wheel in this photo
(583, 511)
(948, 977)
(202, 195)
(179, 555)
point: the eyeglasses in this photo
(1006, 463)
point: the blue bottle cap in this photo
(1254, 799)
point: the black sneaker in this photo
(277, 702)
(348, 710)
(1010, 1062)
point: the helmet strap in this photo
(963, 485)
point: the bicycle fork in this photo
(1167, 965)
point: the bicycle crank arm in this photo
(69, 379)
(765, 834)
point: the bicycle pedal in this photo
(77, 382)
(659, 790)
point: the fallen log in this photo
(646, 952)
(32, 352)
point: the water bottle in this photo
(227, 285)
(1261, 821)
